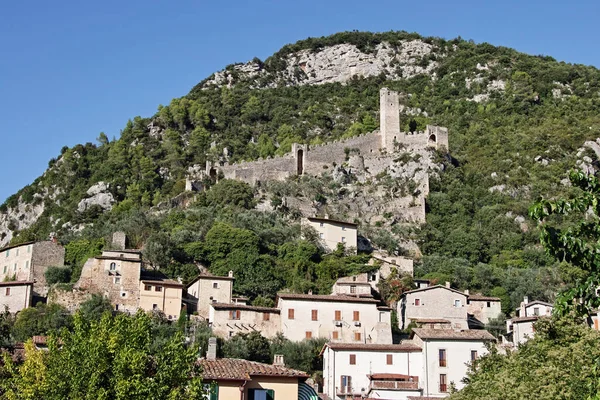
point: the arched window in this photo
(432, 139)
(113, 266)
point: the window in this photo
(7, 253)
(27, 264)
(314, 315)
(116, 307)
(213, 391)
(155, 306)
(443, 384)
(338, 315)
(15, 267)
(343, 228)
(5, 268)
(356, 316)
(123, 294)
(357, 336)
(473, 355)
(17, 251)
(489, 304)
(417, 302)
(353, 289)
(382, 316)
(442, 354)
(456, 303)
(117, 280)
(291, 313)
(343, 239)
(261, 394)
(536, 311)
(335, 335)
(346, 384)
(321, 224)
(7, 291)
(308, 335)
(352, 359)
(321, 235)
(147, 287)
(234, 314)
(266, 316)
(158, 289)
(29, 249)
(230, 333)
(113, 266)
(215, 285)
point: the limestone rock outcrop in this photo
(98, 195)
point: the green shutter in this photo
(214, 392)
(270, 394)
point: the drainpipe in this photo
(426, 369)
(242, 388)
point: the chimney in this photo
(211, 354)
(467, 292)
(526, 300)
(448, 285)
(230, 274)
(310, 293)
(278, 360)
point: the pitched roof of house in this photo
(236, 306)
(327, 297)
(334, 221)
(450, 334)
(243, 370)
(18, 245)
(402, 347)
(208, 275)
(154, 277)
(525, 319)
(536, 302)
(435, 287)
(430, 321)
(480, 297)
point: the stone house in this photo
(119, 276)
(228, 319)
(332, 232)
(521, 328)
(433, 303)
(15, 295)
(387, 371)
(242, 379)
(29, 261)
(481, 309)
(335, 317)
(207, 289)
(447, 354)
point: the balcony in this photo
(394, 385)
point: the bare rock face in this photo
(98, 195)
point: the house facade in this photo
(29, 261)
(335, 317)
(229, 319)
(447, 354)
(433, 302)
(233, 379)
(521, 328)
(15, 295)
(160, 294)
(207, 289)
(387, 371)
(481, 309)
(332, 232)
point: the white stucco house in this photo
(332, 232)
(521, 328)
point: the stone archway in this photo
(212, 173)
(432, 139)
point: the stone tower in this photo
(389, 114)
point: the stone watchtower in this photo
(389, 114)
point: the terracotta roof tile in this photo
(234, 306)
(450, 334)
(243, 370)
(525, 319)
(402, 347)
(327, 297)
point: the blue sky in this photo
(72, 69)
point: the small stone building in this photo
(207, 289)
(482, 309)
(333, 232)
(29, 261)
(433, 302)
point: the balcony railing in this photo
(394, 385)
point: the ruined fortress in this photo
(372, 151)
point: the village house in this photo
(15, 295)
(332, 232)
(520, 328)
(228, 319)
(335, 317)
(119, 276)
(232, 379)
(29, 261)
(447, 354)
(481, 309)
(386, 371)
(433, 303)
(207, 289)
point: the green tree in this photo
(57, 275)
(93, 308)
(231, 192)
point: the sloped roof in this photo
(237, 306)
(154, 277)
(536, 302)
(332, 221)
(435, 287)
(525, 319)
(402, 347)
(450, 334)
(479, 297)
(243, 370)
(208, 275)
(327, 297)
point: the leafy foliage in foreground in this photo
(560, 362)
(105, 359)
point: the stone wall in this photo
(44, 255)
